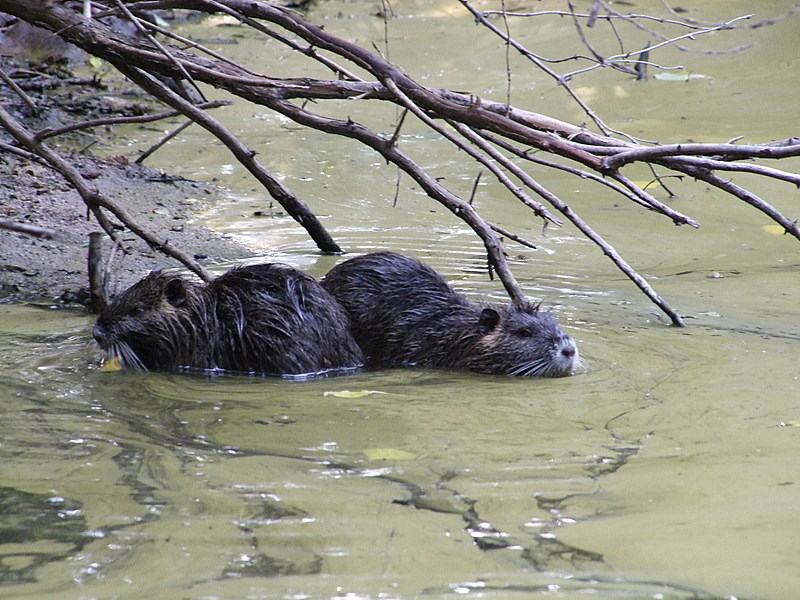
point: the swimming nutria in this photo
(403, 313)
(267, 319)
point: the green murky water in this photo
(667, 470)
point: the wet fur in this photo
(269, 319)
(403, 313)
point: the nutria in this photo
(403, 313)
(266, 319)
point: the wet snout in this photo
(567, 353)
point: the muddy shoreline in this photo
(55, 270)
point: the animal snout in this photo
(98, 333)
(567, 349)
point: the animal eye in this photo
(135, 310)
(525, 332)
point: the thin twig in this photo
(246, 156)
(540, 64)
(605, 17)
(400, 121)
(628, 189)
(307, 51)
(164, 140)
(601, 60)
(507, 53)
(724, 151)
(429, 184)
(513, 236)
(790, 225)
(740, 167)
(136, 22)
(19, 91)
(538, 209)
(688, 21)
(28, 229)
(584, 228)
(46, 133)
(665, 42)
(475, 185)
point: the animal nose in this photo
(97, 332)
(568, 348)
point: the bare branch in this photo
(18, 90)
(294, 206)
(93, 199)
(607, 249)
(28, 229)
(721, 165)
(540, 63)
(432, 187)
(46, 133)
(538, 209)
(723, 151)
(136, 22)
(790, 225)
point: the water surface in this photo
(667, 469)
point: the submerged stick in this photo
(98, 299)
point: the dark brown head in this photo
(153, 324)
(523, 341)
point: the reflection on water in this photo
(666, 470)
(672, 473)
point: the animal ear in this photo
(175, 292)
(489, 318)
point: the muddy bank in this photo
(55, 270)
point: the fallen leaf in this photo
(353, 394)
(111, 365)
(774, 229)
(388, 454)
(679, 76)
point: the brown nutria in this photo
(267, 319)
(403, 313)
